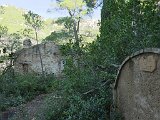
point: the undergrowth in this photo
(18, 89)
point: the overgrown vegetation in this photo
(18, 89)
(126, 27)
(13, 19)
(84, 92)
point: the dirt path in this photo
(27, 111)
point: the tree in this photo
(35, 22)
(94, 3)
(126, 27)
(27, 32)
(3, 31)
(59, 37)
(84, 98)
(76, 9)
(9, 42)
(1, 9)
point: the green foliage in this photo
(13, 19)
(52, 107)
(76, 7)
(59, 37)
(18, 89)
(91, 3)
(33, 20)
(127, 27)
(1, 10)
(70, 4)
(83, 94)
(68, 23)
(3, 31)
(75, 105)
(11, 42)
(65, 34)
(86, 33)
(27, 32)
(15, 43)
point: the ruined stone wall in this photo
(137, 88)
(28, 59)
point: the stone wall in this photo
(137, 87)
(28, 59)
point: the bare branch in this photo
(78, 25)
(94, 89)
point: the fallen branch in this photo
(94, 89)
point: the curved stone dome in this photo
(137, 86)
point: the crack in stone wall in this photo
(28, 59)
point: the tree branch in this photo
(78, 24)
(94, 89)
(70, 13)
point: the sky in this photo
(41, 6)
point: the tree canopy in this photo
(34, 21)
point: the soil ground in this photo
(27, 110)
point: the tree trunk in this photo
(36, 36)
(40, 56)
(76, 35)
(76, 27)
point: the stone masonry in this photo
(28, 59)
(137, 87)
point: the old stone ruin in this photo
(137, 87)
(31, 58)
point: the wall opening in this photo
(25, 68)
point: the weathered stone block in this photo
(28, 60)
(147, 63)
(137, 87)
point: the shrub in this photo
(82, 95)
(18, 89)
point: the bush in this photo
(18, 89)
(70, 104)
(81, 95)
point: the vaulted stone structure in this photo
(137, 87)
(31, 58)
